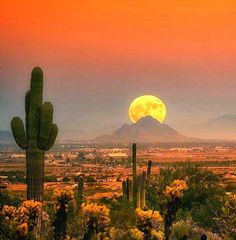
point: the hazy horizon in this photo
(98, 57)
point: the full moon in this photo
(147, 105)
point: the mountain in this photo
(223, 127)
(6, 137)
(146, 130)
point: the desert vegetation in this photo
(180, 209)
(182, 201)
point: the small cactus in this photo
(124, 189)
(128, 189)
(143, 190)
(62, 197)
(174, 192)
(139, 182)
(149, 169)
(80, 190)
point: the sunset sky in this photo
(98, 55)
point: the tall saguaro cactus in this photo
(38, 135)
(134, 170)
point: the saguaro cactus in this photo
(134, 170)
(149, 169)
(38, 135)
(127, 189)
(130, 191)
(80, 190)
(135, 190)
(124, 189)
(143, 190)
(138, 199)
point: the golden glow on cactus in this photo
(24, 218)
(145, 215)
(98, 212)
(176, 189)
(94, 209)
(157, 235)
(136, 234)
(32, 206)
(65, 194)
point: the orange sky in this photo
(93, 51)
(111, 29)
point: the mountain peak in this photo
(147, 120)
(145, 130)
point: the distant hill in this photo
(6, 137)
(223, 127)
(146, 130)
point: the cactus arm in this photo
(139, 183)
(45, 125)
(130, 191)
(27, 105)
(143, 190)
(18, 131)
(53, 136)
(36, 96)
(128, 188)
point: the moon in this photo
(147, 105)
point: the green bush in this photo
(202, 201)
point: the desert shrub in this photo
(121, 234)
(50, 178)
(201, 202)
(189, 230)
(227, 218)
(15, 176)
(230, 187)
(122, 215)
(180, 230)
(7, 198)
(66, 179)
